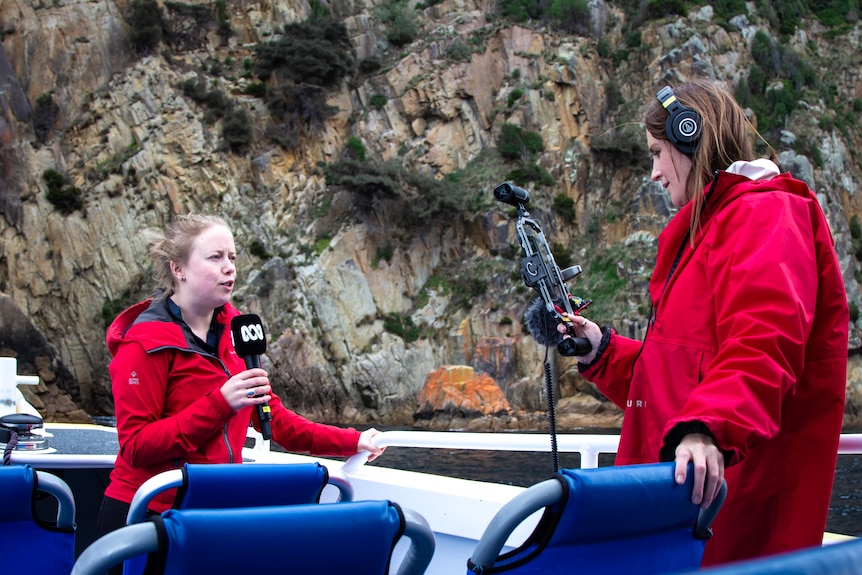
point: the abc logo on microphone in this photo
(248, 335)
(252, 332)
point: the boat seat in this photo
(210, 486)
(218, 486)
(29, 543)
(355, 537)
(843, 558)
(623, 519)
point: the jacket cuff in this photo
(603, 345)
(680, 430)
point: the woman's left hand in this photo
(365, 444)
(708, 461)
(586, 329)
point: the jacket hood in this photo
(122, 322)
(757, 176)
(126, 325)
(739, 179)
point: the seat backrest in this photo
(625, 519)
(844, 558)
(355, 538)
(218, 486)
(215, 486)
(29, 543)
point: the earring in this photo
(182, 279)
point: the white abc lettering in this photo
(251, 332)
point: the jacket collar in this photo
(145, 314)
(761, 169)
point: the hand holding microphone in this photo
(582, 330)
(547, 330)
(249, 341)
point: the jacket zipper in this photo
(224, 432)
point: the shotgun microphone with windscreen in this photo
(540, 272)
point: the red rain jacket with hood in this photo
(170, 410)
(748, 342)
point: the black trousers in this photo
(112, 516)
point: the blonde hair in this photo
(726, 136)
(174, 247)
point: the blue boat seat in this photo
(844, 558)
(31, 544)
(218, 486)
(624, 519)
(213, 486)
(355, 537)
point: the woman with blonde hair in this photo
(181, 392)
(742, 371)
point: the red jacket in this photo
(749, 338)
(170, 410)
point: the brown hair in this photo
(174, 247)
(727, 135)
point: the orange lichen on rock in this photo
(458, 390)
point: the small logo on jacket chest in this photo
(133, 378)
(635, 403)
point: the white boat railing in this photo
(589, 446)
(850, 443)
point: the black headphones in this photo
(683, 124)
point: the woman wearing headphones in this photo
(742, 371)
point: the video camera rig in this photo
(540, 272)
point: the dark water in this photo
(526, 468)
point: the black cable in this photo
(552, 423)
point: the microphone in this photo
(249, 341)
(542, 325)
(512, 195)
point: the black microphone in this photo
(512, 195)
(249, 341)
(542, 325)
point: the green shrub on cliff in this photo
(523, 147)
(516, 143)
(403, 28)
(236, 129)
(570, 15)
(315, 52)
(520, 10)
(296, 110)
(402, 326)
(44, 115)
(64, 196)
(414, 196)
(776, 81)
(146, 25)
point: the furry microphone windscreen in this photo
(542, 325)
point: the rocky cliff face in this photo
(124, 133)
